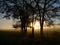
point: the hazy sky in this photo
(7, 24)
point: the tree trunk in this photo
(25, 30)
(41, 28)
(32, 31)
(42, 23)
(32, 22)
(32, 25)
(21, 28)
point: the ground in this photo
(18, 38)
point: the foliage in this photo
(23, 9)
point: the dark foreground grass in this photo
(18, 38)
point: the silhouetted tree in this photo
(45, 9)
(17, 10)
(22, 9)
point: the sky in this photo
(7, 24)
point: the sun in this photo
(36, 25)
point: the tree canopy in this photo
(46, 10)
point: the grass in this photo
(18, 38)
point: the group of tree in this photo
(25, 10)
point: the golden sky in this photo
(7, 24)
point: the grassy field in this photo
(17, 38)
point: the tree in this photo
(18, 11)
(22, 9)
(45, 8)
